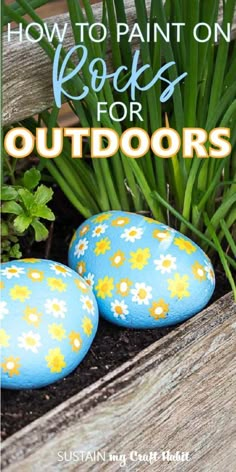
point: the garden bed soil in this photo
(112, 346)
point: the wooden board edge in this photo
(35, 435)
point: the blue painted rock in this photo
(49, 319)
(144, 274)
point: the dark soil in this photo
(112, 347)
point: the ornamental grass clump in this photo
(196, 196)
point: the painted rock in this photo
(49, 319)
(143, 273)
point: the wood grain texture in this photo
(27, 83)
(177, 395)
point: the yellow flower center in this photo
(30, 341)
(56, 307)
(133, 233)
(89, 304)
(140, 258)
(12, 271)
(60, 269)
(56, 363)
(118, 310)
(166, 263)
(180, 286)
(102, 245)
(142, 293)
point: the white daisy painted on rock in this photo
(165, 264)
(210, 272)
(12, 271)
(55, 307)
(81, 247)
(119, 309)
(142, 293)
(29, 341)
(3, 309)
(132, 234)
(98, 230)
(61, 270)
(89, 279)
(87, 304)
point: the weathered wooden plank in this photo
(27, 83)
(176, 395)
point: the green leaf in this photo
(43, 195)
(15, 252)
(31, 178)
(42, 211)
(22, 222)
(41, 232)
(4, 228)
(26, 197)
(8, 193)
(12, 207)
(221, 253)
(15, 7)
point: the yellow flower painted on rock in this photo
(36, 275)
(120, 222)
(139, 258)
(11, 365)
(185, 245)
(55, 360)
(87, 326)
(84, 230)
(57, 331)
(161, 235)
(98, 230)
(123, 287)
(104, 287)
(30, 341)
(20, 292)
(102, 217)
(159, 309)
(88, 304)
(4, 338)
(56, 284)
(31, 260)
(60, 270)
(1, 284)
(178, 286)
(199, 271)
(102, 246)
(81, 268)
(32, 316)
(151, 221)
(75, 341)
(82, 286)
(117, 259)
